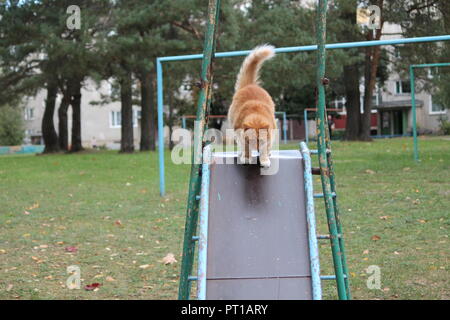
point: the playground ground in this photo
(101, 211)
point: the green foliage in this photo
(420, 18)
(444, 125)
(11, 126)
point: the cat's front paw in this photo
(265, 163)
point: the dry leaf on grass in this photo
(169, 259)
(375, 238)
(93, 286)
(370, 171)
(34, 206)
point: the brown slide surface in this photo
(257, 233)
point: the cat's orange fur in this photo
(252, 111)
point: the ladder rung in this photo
(192, 278)
(332, 277)
(326, 236)
(320, 195)
(315, 151)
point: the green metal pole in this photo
(336, 210)
(414, 112)
(200, 126)
(322, 149)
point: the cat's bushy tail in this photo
(249, 73)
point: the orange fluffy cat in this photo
(252, 111)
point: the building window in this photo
(116, 118)
(339, 103)
(29, 113)
(436, 108)
(397, 53)
(402, 87)
(376, 97)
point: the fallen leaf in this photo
(2, 251)
(26, 212)
(169, 259)
(366, 252)
(92, 286)
(9, 287)
(71, 249)
(34, 206)
(118, 223)
(144, 266)
(370, 171)
(375, 238)
(110, 279)
(37, 259)
(384, 217)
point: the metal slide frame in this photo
(310, 217)
(413, 99)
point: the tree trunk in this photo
(76, 118)
(372, 62)
(147, 111)
(127, 140)
(62, 122)
(48, 128)
(353, 104)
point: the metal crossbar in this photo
(345, 45)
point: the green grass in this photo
(78, 200)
